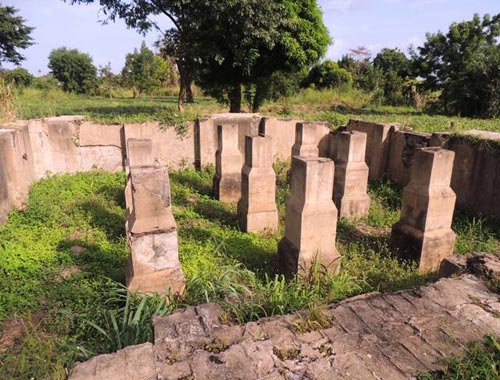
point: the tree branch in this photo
(166, 13)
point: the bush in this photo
(328, 74)
(19, 76)
(74, 70)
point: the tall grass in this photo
(7, 102)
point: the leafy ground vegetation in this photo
(61, 267)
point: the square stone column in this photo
(351, 175)
(257, 210)
(228, 164)
(139, 153)
(305, 140)
(424, 231)
(311, 218)
(152, 234)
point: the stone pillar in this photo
(305, 140)
(152, 234)
(311, 218)
(139, 153)
(351, 175)
(257, 210)
(424, 231)
(228, 164)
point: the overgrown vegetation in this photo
(481, 361)
(62, 260)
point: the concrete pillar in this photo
(424, 231)
(152, 234)
(311, 218)
(351, 175)
(377, 149)
(228, 164)
(257, 210)
(305, 140)
(139, 153)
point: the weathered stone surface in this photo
(152, 233)
(152, 209)
(257, 207)
(377, 149)
(305, 140)
(140, 153)
(351, 174)
(311, 218)
(206, 141)
(227, 180)
(376, 336)
(403, 143)
(424, 231)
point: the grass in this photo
(481, 361)
(62, 266)
(334, 106)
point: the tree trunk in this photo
(182, 85)
(188, 84)
(235, 98)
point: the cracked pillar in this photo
(305, 140)
(228, 164)
(424, 231)
(351, 175)
(257, 210)
(152, 234)
(139, 153)
(311, 218)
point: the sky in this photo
(374, 24)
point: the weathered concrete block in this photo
(351, 175)
(257, 207)
(227, 180)
(424, 231)
(311, 218)
(152, 234)
(152, 210)
(377, 147)
(206, 140)
(305, 140)
(154, 263)
(404, 142)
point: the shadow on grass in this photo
(111, 222)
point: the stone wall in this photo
(33, 149)
(476, 172)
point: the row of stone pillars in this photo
(320, 187)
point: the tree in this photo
(396, 68)
(365, 75)
(244, 42)
(176, 40)
(144, 71)
(14, 35)
(225, 44)
(328, 74)
(464, 65)
(19, 76)
(73, 69)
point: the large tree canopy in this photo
(246, 41)
(465, 65)
(14, 35)
(229, 43)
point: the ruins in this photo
(311, 218)
(438, 170)
(154, 265)
(257, 210)
(424, 231)
(351, 174)
(228, 164)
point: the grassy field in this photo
(62, 267)
(330, 105)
